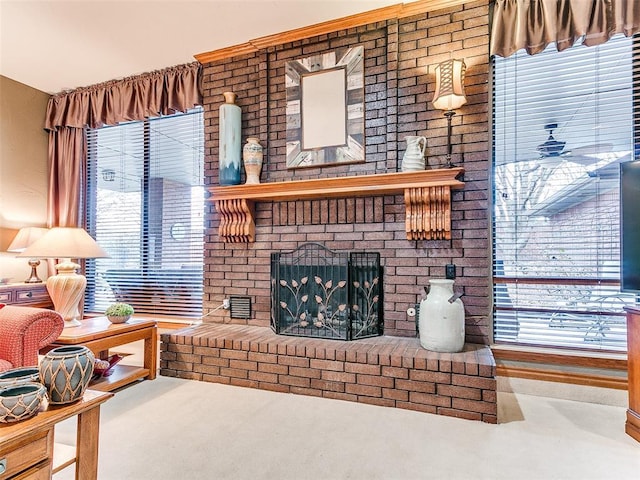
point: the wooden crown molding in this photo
(399, 10)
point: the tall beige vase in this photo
(252, 158)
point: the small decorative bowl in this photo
(20, 402)
(104, 368)
(18, 376)
(118, 319)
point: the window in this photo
(563, 123)
(145, 207)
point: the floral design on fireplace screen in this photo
(316, 292)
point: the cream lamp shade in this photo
(25, 237)
(449, 94)
(67, 287)
(450, 85)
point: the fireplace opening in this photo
(318, 292)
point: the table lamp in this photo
(67, 287)
(25, 237)
(449, 93)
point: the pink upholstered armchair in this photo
(23, 332)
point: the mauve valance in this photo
(534, 24)
(164, 92)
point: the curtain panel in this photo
(163, 92)
(534, 24)
(67, 150)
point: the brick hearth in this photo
(386, 371)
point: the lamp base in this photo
(66, 290)
(449, 114)
(71, 323)
(33, 263)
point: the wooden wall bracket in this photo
(428, 213)
(236, 220)
(427, 198)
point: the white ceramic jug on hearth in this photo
(441, 320)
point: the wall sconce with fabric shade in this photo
(67, 287)
(449, 93)
(25, 237)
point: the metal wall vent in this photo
(240, 307)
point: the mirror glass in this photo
(325, 108)
(324, 119)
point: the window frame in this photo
(500, 280)
(147, 258)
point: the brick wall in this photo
(400, 57)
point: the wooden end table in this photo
(99, 335)
(26, 447)
(632, 426)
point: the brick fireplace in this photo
(401, 52)
(400, 55)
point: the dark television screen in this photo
(630, 226)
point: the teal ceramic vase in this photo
(229, 146)
(66, 372)
(20, 402)
(18, 376)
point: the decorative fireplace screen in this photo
(316, 292)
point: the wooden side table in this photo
(26, 447)
(99, 335)
(632, 426)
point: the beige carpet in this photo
(180, 429)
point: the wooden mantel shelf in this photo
(427, 197)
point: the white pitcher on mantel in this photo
(413, 158)
(441, 320)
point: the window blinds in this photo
(563, 123)
(145, 207)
